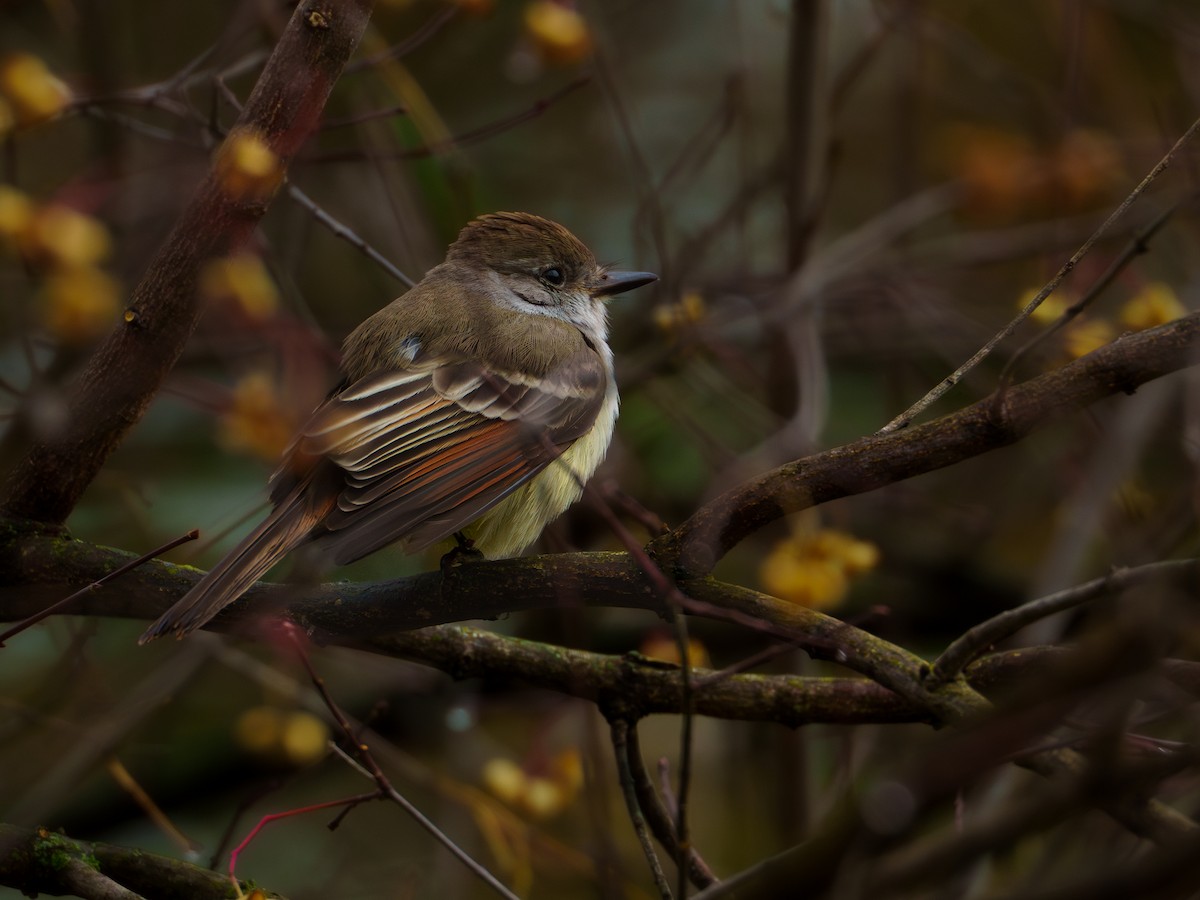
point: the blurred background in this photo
(843, 199)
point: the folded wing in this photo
(411, 455)
(426, 451)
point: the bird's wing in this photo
(427, 450)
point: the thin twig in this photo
(383, 784)
(347, 234)
(676, 602)
(58, 607)
(1136, 247)
(958, 374)
(659, 818)
(459, 140)
(975, 641)
(125, 780)
(387, 112)
(619, 729)
(744, 665)
(287, 814)
(410, 43)
(807, 115)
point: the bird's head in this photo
(544, 269)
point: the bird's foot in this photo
(463, 550)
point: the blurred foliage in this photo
(658, 132)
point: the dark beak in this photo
(620, 282)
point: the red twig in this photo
(348, 802)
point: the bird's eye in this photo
(553, 275)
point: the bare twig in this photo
(965, 649)
(659, 818)
(807, 115)
(1136, 246)
(619, 729)
(676, 603)
(383, 784)
(472, 136)
(65, 603)
(125, 780)
(347, 234)
(957, 375)
(419, 37)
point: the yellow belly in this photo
(516, 521)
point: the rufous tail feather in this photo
(288, 526)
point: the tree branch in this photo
(876, 461)
(127, 369)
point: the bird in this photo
(476, 405)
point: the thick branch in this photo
(873, 462)
(36, 860)
(36, 569)
(125, 372)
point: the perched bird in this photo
(483, 397)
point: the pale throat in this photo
(526, 295)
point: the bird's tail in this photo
(290, 524)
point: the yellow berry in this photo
(558, 31)
(1085, 335)
(247, 168)
(16, 213)
(304, 739)
(80, 304)
(505, 779)
(61, 236)
(243, 279)
(255, 423)
(1155, 304)
(33, 93)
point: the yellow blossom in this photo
(61, 236)
(662, 645)
(567, 769)
(543, 798)
(689, 310)
(304, 739)
(558, 31)
(294, 738)
(80, 304)
(1049, 310)
(243, 279)
(1155, 304)
(854, 556)
(16, 213)
(540, 795)
(1083, 336)
(247, 168)
(505, 779)
(33, 93)
(255, 422)
(814, 568)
